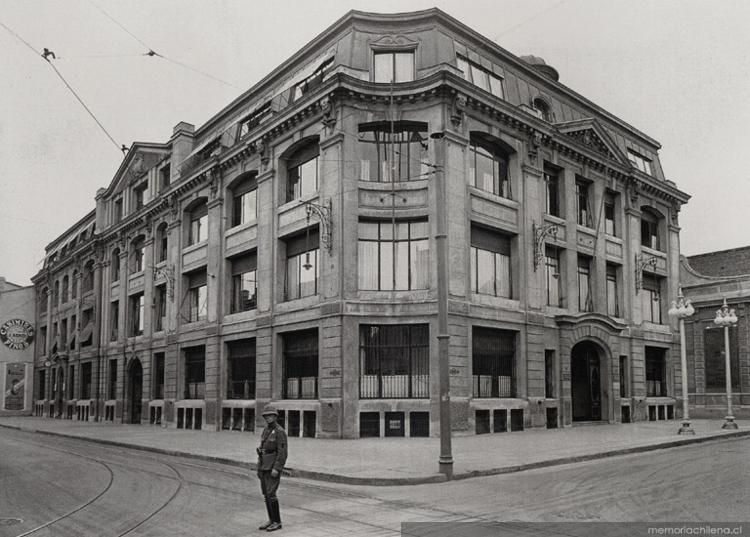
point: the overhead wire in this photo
(45, 56)
(151, 52)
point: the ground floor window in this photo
(715, 359)
(656, 378)
(158, 376)
(86, 380)
(241, 369)
(195, 373)
(394, 361)
(493, 362)
(300, 378)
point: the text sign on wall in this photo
(16, 334)
(15, 379)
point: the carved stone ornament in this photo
(458, 109)
(214, 184)
(675, 213)
(138, 167)
(173, 205)
(329, 114)
(632, 190)
(535, 140)
(391, 40)
(263, 150)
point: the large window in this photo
(549, 374)
(640, 162)
(651, 299)
(394, 256)
(56, 294)
(610, 213)
(197, 296)
(136, 314)
(488, 166)
(393, 66)
(112, 379)
(394, 361)
(244, 200)
(195, 373)
(583, 203)
(584, 284)
(481, 77)
(241, 369)
(161, 243)
(160, 307)
(86, 380)
(552, 276)
(158, 384)
(393, 151)
(552, 191)
(302, 266)
(656, 375)
(302, 171)
(650, 229)
(64, 298)
(490, 263)
(715, 359)
(137, 253)
(139, 195)
(114, 320)
(244, 282)
(300, 379)
(493, 362)
(74, 285)
(613, 294)
(87, 280)
(115, 265)
(198, 222)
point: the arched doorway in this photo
(586, 381)
(135, 390)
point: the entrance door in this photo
(135, 393)
(585, 382)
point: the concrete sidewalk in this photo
(395, 461)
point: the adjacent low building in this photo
(17, 337)
(287, 251)
(709, 279)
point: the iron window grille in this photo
(241, 378)
(493, 362)
(394, 361)
(300, 378)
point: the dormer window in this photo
(312, 81)
(254, 119)
(481, 77)
(393, 66)
(541, 106)
(640, 162)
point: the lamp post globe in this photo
(680, 310)
(726, 318)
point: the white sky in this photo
(679, 70)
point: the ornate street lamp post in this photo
(726, 317)
(682, 309)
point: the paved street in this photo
(124, 492)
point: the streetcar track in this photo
(179, 478)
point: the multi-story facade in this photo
(286, 251)
(709, 279)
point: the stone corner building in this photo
(286, 251)
(707, 279)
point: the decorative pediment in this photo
(138, 161)
(589, 133)
(593, 319)
(388, 41)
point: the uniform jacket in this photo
(273, 448)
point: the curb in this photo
(400, 481)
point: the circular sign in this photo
(16, 334)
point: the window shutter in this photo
(244, 263)
(299, 244)
(489, 240)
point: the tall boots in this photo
(273, 506)
(271, 518)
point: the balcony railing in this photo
(241, 389)
(491, 386)
(302, 388)
(394, 386)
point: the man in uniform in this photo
(271, 459)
